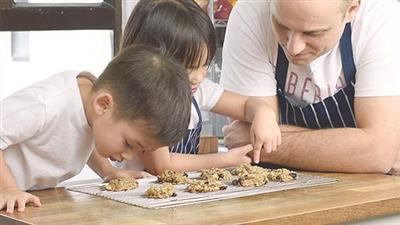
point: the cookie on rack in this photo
(201, 186)
(250, 176)
(122, 184)
(165, 190)
(169, 176)
(281, 175)
(251, 180)
(247, 168)
(215, 174)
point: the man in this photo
(333, 79)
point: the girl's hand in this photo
(13, 196)
(239, 155)
(265, 135)
(118, 173)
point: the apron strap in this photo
(346, 54)
(197, 110)
(281, 69)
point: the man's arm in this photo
(371, 147)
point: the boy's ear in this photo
(102, 103)
(352, 10)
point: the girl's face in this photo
(197, 75)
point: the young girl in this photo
(186, 32)
(48, 129)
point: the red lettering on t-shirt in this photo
(329, 90)
(317, 97)
(304, 89)
(341, 83)
(291, 87)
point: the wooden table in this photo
(355, 196)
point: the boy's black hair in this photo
(179, 26)
(147, 85)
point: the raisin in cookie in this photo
(164, 190)
(122, 184)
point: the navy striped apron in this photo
(333, 111)
(190, 143)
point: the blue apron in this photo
(334, 111)
(190, 143)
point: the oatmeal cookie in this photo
(215, 174)
(122, 184)
(164, 190)
(247, 168)
(173, 177)
(251, 180)
(201, 186)
(281, 175)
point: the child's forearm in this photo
(256, 106)
(100, 165)
(6, 178)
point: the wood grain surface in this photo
(355, 196)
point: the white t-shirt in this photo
(207, 96)
(250, 51)
(44, 134)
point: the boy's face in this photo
(120, 140)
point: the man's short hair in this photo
(147, 85)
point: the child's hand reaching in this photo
(13, 196)
(265, 135)
(117, 173)
(239, 155)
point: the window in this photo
(41, 37)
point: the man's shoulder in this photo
(377, 15)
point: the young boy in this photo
(140, 102)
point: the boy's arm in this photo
(6, 179)
(10, 194)
(102, 167)
(157, 161)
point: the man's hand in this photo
(236, 134)
(239, 155)
(114, 173)
(13, 196)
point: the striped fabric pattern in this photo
(332, 112)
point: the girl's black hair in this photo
(180, 27)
